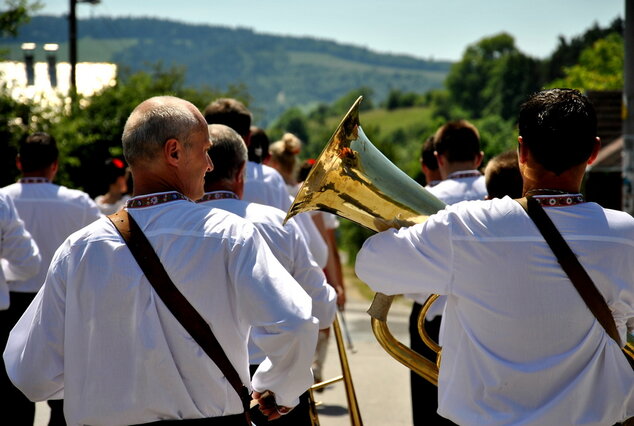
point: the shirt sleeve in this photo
(279, 313)
(34, 355)
(316, 243)
(19, 252)
(312, 278)
(413, 260)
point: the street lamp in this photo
(29, 62)
(51, 59)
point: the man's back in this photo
(131, 360)
(460, 186)
(50, 213)
(289, 247)
(265, 185)
(519, 344)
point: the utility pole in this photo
(72, 46)
(628, 111)
(72, 49)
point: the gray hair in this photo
(228, 153)
(154, 122)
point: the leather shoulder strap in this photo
(178, 305)
(570, 264)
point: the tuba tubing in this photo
(354, 180)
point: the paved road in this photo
(381, 383)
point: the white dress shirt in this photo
(464, 185)
(19, 255)
(265, 185)
(108, 209)
(289, 247)
(50, 213)
(520, 346)
(98, 335)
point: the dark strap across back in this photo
(178, 305)
(570, 264)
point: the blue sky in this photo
(439, 29)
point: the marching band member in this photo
(520, 346)
(98, 334)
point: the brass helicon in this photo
(353, 179)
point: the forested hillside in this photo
(277, 72)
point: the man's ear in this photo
(18, 163)
(439, 159)
(522, 152)
(478, 160)
(595, 150)
(241, 175)
(172, 151)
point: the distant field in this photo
(324, 59)
(388, 121)
(88, 50)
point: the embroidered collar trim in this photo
(154, 199)
(464, 174)
(34, 180)
(218, 195)
(559, 200)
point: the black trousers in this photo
(424, 394)
(234, 420)
(21, 411)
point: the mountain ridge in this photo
(279, 72)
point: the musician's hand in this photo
(341, 297)
(268, 406)
(396, 223)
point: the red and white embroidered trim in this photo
(34, 180)
(219, 195)
(559, 200)
(154, 199)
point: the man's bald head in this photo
(155, 121)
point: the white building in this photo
(91, 78)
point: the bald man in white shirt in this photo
(98, 334)
(520, 346)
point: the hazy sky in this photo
(439, 29)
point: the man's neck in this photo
(545, 181)
(46, 174)
(223, 186)
(450, 168)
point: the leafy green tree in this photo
(93, 134)
(343, 104)
(492, 77)
(600, 67)
(16, 13)
(293, 120)
(567, 53)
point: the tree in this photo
(492, 77)
(93, 134)
(293, 120)
(17, 12)
(600, 67)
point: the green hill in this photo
(278, 72)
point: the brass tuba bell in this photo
(354, 180)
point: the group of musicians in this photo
(520, 344)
